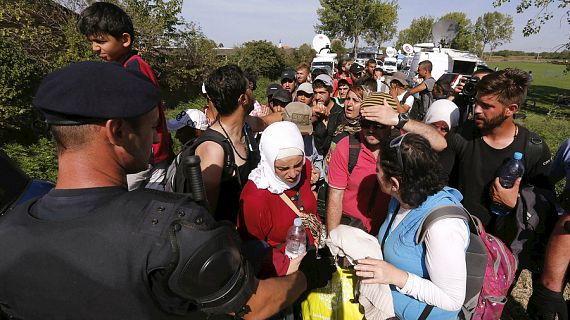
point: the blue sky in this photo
(233, 22)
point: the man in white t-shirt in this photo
(399, 91)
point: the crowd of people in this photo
(129, 233)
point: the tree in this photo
(419, 31)
(305, 53)
(337, 46)
(545, 14)
(261, 58)
(371, 20)
(495, 29)
(466, 38)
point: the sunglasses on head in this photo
(396, 143)
(366, 124)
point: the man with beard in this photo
(488, 141)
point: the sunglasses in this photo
(396, 143)
(366, 124)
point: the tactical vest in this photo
(111, 264)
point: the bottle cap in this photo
(297, 222)
(517, 156)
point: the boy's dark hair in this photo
(420, 176)
(317, 72)
(444, 87)
(426, 64)
(105, 18)
(368, 83)
(224, 86)
(370, 61)
(509, 85)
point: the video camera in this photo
(469, 86)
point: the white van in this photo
(390, 65)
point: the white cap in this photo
(192, 118)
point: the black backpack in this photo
(353, 152)
(175, 180)
(417, 111)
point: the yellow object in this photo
(334, 301)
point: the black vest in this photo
(110, 264)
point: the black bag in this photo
(322, 189)
(417, 111)
(175, 180)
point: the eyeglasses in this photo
(366, 124)
(396, 143)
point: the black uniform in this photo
(105, 253)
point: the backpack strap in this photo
(353, 151)
(444, 212)
(534, 149)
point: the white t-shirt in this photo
(446, 241)
(409, 100)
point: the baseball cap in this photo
(282, 95)
(288, 74)
(271, 89)
(188, 118)
(305, 87)
(325, 78)
(400, 77)
(92, 91)
(356, 68)
(300, 114)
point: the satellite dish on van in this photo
(390, 52)
(408, 48)
(321, 42)
(444, 31)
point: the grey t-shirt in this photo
(426, 96)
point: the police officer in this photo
(90, 249)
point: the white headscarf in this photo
(278, 136)
(443, 110)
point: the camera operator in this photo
(464, 94)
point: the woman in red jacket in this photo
(264, 215)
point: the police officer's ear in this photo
(115, 131)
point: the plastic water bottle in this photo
(508, 174)
(296, 240)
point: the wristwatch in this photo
(403, 118)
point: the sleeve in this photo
(430, 83)
(561, 163)
(446, 241)
(338, 166)
(447, 157)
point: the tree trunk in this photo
(355, 48)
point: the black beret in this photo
(91, 92)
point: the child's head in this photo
(109, 29)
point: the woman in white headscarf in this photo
(442, 115)
(264, 215)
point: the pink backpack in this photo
(491, 266)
